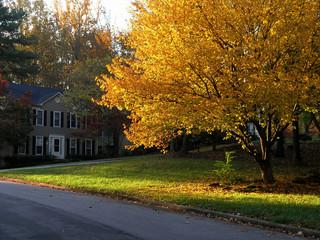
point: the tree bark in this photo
(174, 145)
(264, 158)
(214, 141)
(266, 171)
(265, 163)
(185, 144)
(262, 155)
(296, 143)
(280, 146)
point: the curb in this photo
(214, 214)
(304, 232)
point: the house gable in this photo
(54, 98)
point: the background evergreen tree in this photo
(16, 61)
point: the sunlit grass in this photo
(184, 181)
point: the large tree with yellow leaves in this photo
(202, 65)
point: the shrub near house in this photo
(15, 115)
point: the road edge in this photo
(304, 232)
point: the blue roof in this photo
(39, 94)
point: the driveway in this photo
(31, 212)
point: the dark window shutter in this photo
(62, 118)
(84, 122)
(34, 117)
(16, 149)
(34, 145)
(68, 146)
(68, 120)
(51, 118)
(84, 147)
(45, 139)
(27, 145)
(45, 118)
(93, 147)
(78, 146)
(78, 122)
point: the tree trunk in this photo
(296, 143)
(214, 141)
(266, 171)
(174, 145)
(116, 141)
(185, 144)
(280, 146)
(263, 155)
(264, 161)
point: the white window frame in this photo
(70, 123)
(88, 147)
(38, 111)
(39, 145)
(75, 146)
(54, 119)
(24, 147)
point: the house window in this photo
(88, 147)
(73, 120)
(40, 117)
(73, 146)
(39, 145)
(57, 119)
(22, 149)
(107, 136)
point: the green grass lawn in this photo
(186, 182)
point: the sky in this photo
(119, 16)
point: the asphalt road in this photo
(30, 212)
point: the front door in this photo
(57, 146)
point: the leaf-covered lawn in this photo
(192, 182)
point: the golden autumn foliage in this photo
(85, 34)
(202, 65)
